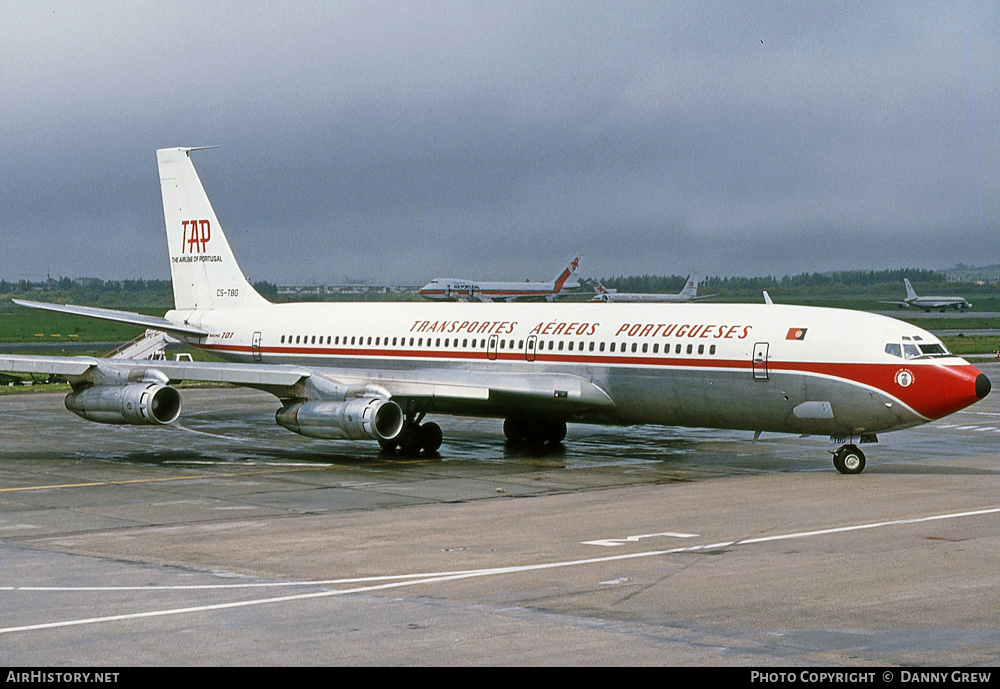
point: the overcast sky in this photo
(407, 140)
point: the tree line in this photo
(848, 278)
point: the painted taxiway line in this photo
(163, 479)
(398, 581)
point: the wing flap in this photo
(460, 391)
(47, 365)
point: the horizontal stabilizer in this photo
(153, 322)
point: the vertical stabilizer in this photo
(567, 278)
(690, 290)
(910, 292)
(204, 271)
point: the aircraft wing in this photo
(444, 390)
(141, 320)
(462, 391)
(87, 369)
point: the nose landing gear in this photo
(848, 459)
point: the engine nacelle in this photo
(137, 404)
(354, 419)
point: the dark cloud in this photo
(404, 141)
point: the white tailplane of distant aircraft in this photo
(460, 289)
(689, 293)
(347, 370)
(928, 303)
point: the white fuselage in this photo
(457, 289)
(755, 367)
(641, 298)
(939, 302)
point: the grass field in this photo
(18, 324)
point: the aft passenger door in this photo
(760, 361)
(255, 347)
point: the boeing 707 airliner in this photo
(376, 371)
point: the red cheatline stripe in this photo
(926, 398)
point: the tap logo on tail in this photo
(197, 234)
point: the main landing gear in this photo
(414, 437)
(848, 459)
(535, 432)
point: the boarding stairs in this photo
(149, 345)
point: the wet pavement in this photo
(233, 541)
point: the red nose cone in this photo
(961, 386)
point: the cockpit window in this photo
(914, 351)
(933, 350)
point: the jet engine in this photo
(354, 419)
(136, 404)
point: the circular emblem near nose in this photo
(904, 378)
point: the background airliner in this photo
(689, 293)
(460, 289)
(928, 303)
(376, 370)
